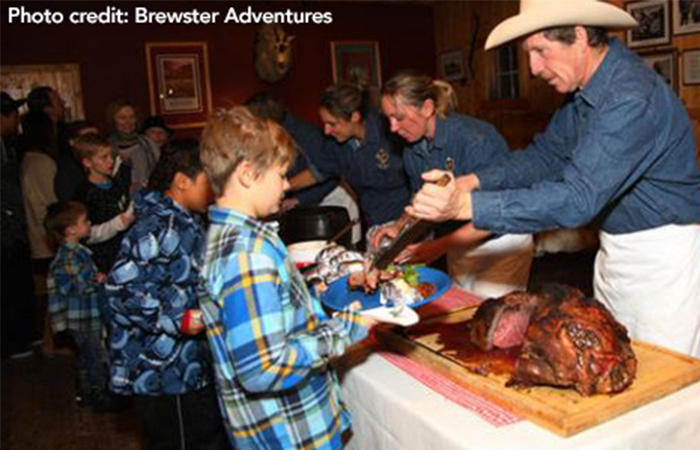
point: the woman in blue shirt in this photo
(364, 156)
(422, 111)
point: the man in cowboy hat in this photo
(620, 153)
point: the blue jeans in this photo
(92, 357)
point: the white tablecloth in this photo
(393, 411)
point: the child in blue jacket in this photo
(158, 352)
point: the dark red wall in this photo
(113, 63)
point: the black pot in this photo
(310, 223)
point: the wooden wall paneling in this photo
(518, 121)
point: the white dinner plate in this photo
(405, 317)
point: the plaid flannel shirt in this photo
(74, 295)
(271, 341)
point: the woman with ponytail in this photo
(423, 112)
(363, 155)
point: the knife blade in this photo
(414, 230)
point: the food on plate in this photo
(567, 340)
(398, 285)
(334, 262)
(398, 292)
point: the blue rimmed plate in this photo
(337, 296)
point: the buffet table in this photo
(393, 410)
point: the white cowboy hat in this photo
(537, 15)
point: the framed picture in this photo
(178, 82)
(653, 18)
(452, 65)
(686, 16)
(663, 63)
(691, 66)
(356, 62)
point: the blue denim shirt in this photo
(311, 143)
(621, 151)
(462, 145)
(374, 170)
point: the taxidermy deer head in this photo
(273, 53)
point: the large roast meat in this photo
(502, 322)
(569, 340)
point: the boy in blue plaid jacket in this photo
(270, 338)
(75, 294)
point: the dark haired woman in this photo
(158, 352)
(363, 155)
(423, 112)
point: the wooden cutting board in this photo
(563, 411)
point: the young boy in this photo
(159, 353)
(74, 293)
(105, 193)
(270, 338)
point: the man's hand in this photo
(468, 183)
(439, 204)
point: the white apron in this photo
(650, 281)
(494, 268)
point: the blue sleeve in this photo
(604, 165)
(544, 159)
(266, 356)
(328, 161)
(144, 285)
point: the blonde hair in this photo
(416, 89)
(236, 135)
(87, 146)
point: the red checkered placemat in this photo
(488, 411)
(455, 298)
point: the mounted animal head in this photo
(273, 53)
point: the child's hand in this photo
(370, 322)
(367, 321)
(100, 277)
(289, 203)
(127, 218)
(192, 322)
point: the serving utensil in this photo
(414, 230)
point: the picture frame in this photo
(664, 62)
(653, 17)
(686, 16)
(178, 82)
(691, 66)
(356, 62)
(452, 65)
